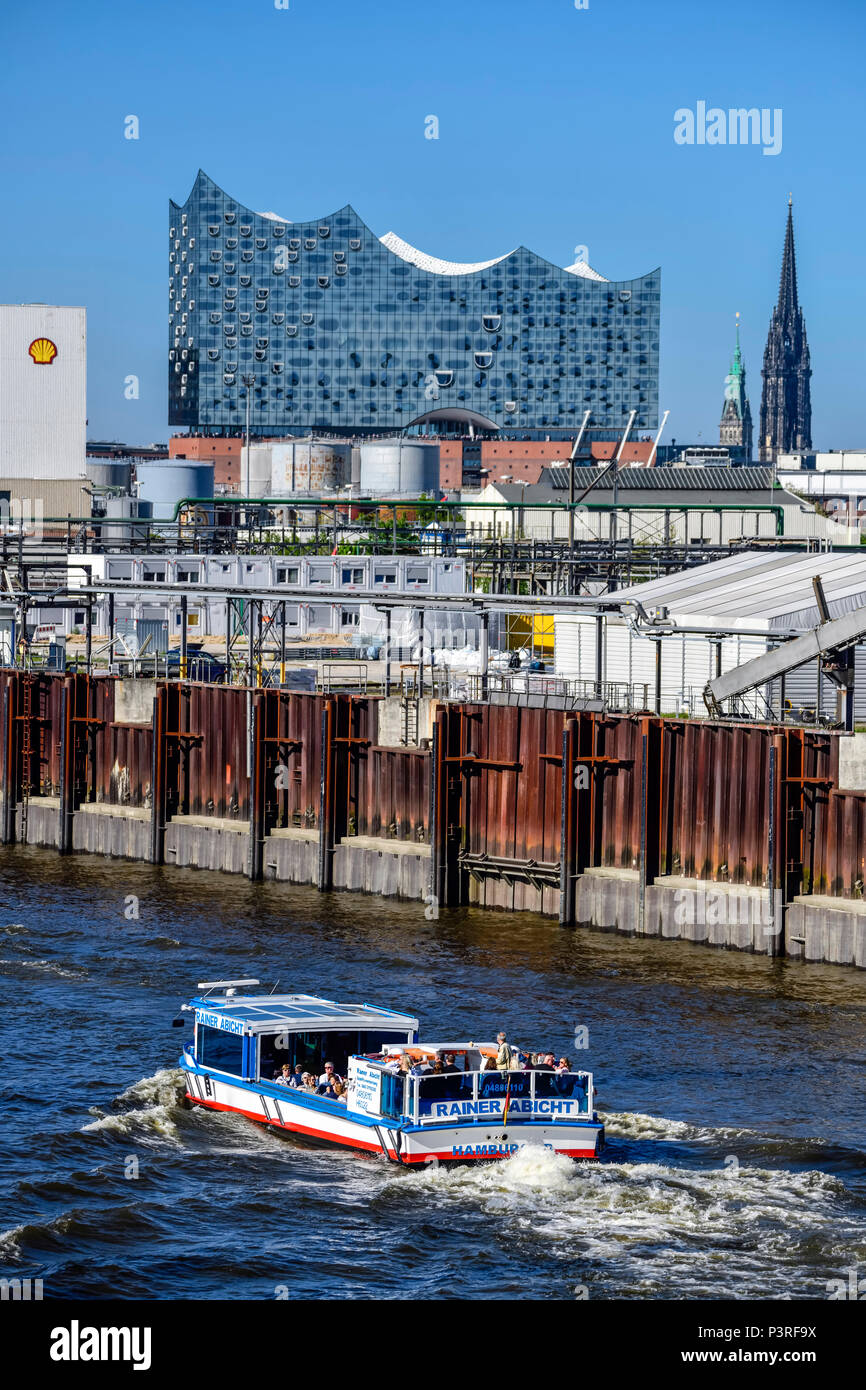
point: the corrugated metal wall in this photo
(689, 798)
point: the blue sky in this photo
(555, 130)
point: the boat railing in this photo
(551, 1097)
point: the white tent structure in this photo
(716, 617)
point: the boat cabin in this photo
(251, 1036)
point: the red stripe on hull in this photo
(292, 1128)
(420, 1159)
(361, 1145)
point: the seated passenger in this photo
(310, 1083)
(282, 1077)
(420, 1068)
(490, 1065)
(297, 1077)
(329, 1075)
(546, 1062)
(405, 1067)
(563, 1065)
(449, 1064)
(338, 1091)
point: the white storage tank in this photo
(399, 465)
(164, 482)
(309, 466)
(258, 484)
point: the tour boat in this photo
(466, 1113)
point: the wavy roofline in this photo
(422, 260)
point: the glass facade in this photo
(342, 333)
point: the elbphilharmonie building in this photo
(343, 330)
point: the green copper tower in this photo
(735, 427)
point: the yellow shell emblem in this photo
(43, 351)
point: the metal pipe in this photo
(658, 675)
(485, 653)
(183, 632)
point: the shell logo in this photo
(43, 351)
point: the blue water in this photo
(732, 1087)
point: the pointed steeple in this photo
(735, 427)
(788, 304)
(786, 402)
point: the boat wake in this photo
(152, 1106)
(711, 1228)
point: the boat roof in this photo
(262, 1013)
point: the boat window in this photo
(561, 1086)
(450, 1086)
(220, 1051)
(313, 1050)
(272, 1053)
(393, 1088)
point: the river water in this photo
(732, 1088)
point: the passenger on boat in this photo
(563, 1065)
(420, 1068)
(282, 1076)
(310, 1083)
(338, 1092)
(490, 1065)
(439, 1082)
(405, 1066)
(328, 1075)
(297, 1078)
(503, 1056)
(449, 1064)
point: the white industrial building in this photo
(841, 494)
(344, 610)
(738, 607)
(654, 506)
(43, 408)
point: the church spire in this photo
(735, 426)
(788, 304)
(786, 401)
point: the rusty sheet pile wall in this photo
(515, 802)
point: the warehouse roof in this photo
(746, 479)
(760, 589)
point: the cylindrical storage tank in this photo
(309, 466)
(165, 482)
(258, 484)
(399, 465)
(119, 526)
(109, 473)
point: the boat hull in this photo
(316, 1121)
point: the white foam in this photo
(152, 1103)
